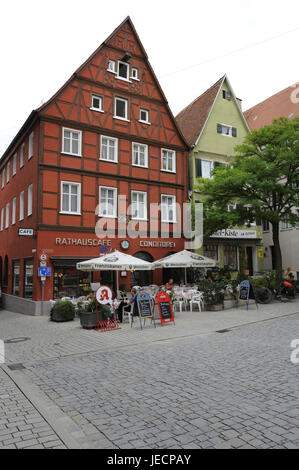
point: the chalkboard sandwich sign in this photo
(165, 308)
(145, 308)
(246, 292)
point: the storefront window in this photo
(230, 257)
(16, 278)
(28, 278)
(69, 282)
(211, 251)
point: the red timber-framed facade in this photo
(107, 132)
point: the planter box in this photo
(58, 317)
(229, 303)
(88, 320)
(214, 308)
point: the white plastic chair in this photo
(198, 300)
(178, 298)
(128, 314)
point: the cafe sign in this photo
(26, 232)
(234, 233)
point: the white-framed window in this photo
(123, 70)
(108, 202)
(109, 149)
(14, 164)
(111, 66)
(14, 211)
(7, 215)
(8, 172)
(140, 155)
(121, 109)
(3, 177)
(139, 205)
(70, 198)
(22, 152)
(97, 103)
(168, 160)
(21, 215)
(2, 219)
(134, 73)
(30, 200)
(30, 145)
(72, 142)
(144, 116)
(226, 95)
(168, 208)
(207, 167)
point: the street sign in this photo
(44, 272)
(43, 257)
(43, 264)
(26, 232)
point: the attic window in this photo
(226, 95)
(123, 70)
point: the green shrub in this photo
(64, 309)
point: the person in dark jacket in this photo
(127, 305)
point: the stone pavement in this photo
(182, 386)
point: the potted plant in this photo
(62, 310)
(213, 294)
(230, 294)
(88, 316)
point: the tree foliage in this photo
(263, 180)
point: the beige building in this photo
(284, 103)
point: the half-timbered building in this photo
(105, 142)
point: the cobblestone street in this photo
(186, 386)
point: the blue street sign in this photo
(44, 272)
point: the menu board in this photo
(144, 305)
(244, 290)
(165, 308)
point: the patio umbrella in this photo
(115, 261)
(185, 259)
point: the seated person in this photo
(169, 285)
(127, 305)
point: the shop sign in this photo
(232, 233)
(104, 295)
(26, 232)
(82, 242)
(156, 244)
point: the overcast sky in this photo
(190, 45)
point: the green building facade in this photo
(214, 125)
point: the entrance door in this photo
(250, 260)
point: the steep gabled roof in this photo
(280, 104)
(193, 118)
(35, 113)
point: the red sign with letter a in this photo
(165, 308)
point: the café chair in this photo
(197, 299)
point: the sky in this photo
(190, 45)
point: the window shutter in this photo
(234, 132)
(198, 172)
(219, 128)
